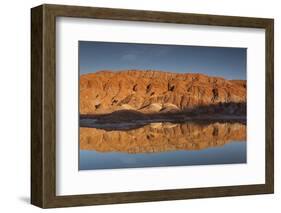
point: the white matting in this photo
(70, 181)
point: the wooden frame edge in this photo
(269, 118)
(43, 106)
(36, 106)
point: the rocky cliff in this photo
(152, 91)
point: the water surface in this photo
(163, 144)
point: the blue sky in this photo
(229, 63)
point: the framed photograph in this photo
(136, 106)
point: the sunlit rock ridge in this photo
(151, 91)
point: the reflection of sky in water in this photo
(231, 153)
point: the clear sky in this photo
(229, 63)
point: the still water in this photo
(163, 144)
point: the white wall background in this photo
(15, 104)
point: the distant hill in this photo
(150, 91)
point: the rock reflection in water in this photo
(162, 137)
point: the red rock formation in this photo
(152, 91)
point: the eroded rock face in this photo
(153, 91)
(162, 137)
